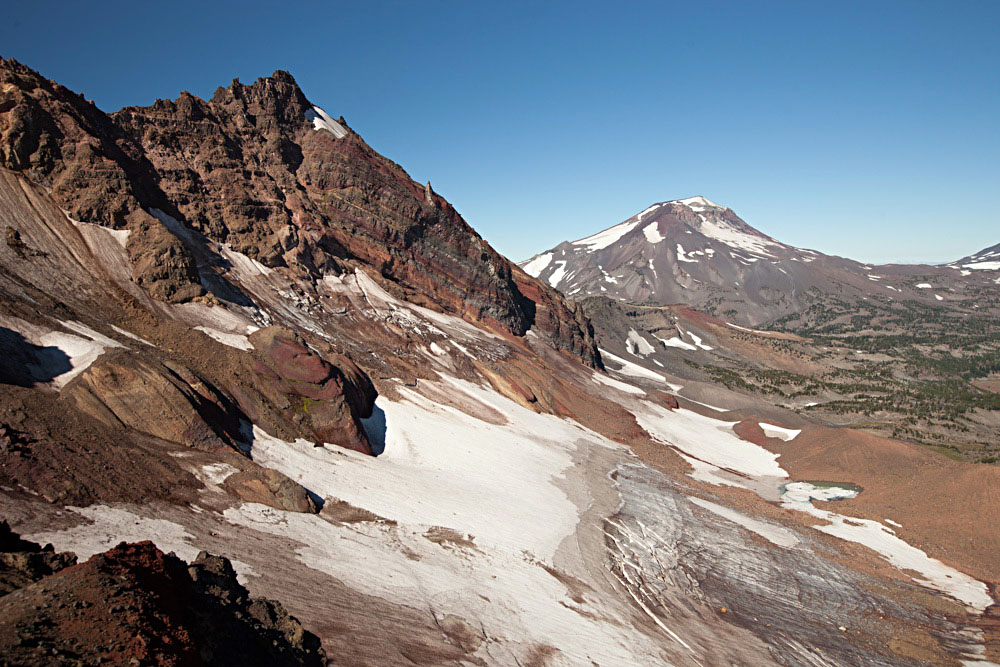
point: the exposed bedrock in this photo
(270, 487)
(165, 400)
(249, 169)
(298, 393)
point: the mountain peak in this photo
(697, 202)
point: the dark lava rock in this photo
(136, 605)
(23, 562)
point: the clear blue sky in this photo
(865, 129)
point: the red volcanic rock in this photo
(305, 389)
(136, 605)
(671, 402)
(750, 430)
(666, 400)
(248, 168)
(562, 322)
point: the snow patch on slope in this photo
(638, 345)
(652, 233)
(681, 256)
(709, 440)
(786, 434)
(635, 370)
(603, 239)
(882, 540)
(321, 120)
(239, 341)
(722, 230)
(557, 274)
(534, 267)
(698, 203)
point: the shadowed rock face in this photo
(167, 612)
(23, 562)
(248, 168)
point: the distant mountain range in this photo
(699, 253)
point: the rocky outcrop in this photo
(248, 168)
(164, 400)
(271, 488)
(561, 321)
(23, 562)
(53, 452)
(668, 401)
(57, 138)
(319, 399)
(313, 200)
(165, 612)
(161, 263)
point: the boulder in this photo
(325, 400)
(271, 488)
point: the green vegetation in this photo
(908, 365)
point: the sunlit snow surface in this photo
(772, 431)
(444, 467)
(638, 345)
(652, 233)
(321, 120)
(239, 341)
(538, 264)
(635, 370)
(602, 240)
(881, 539)
(499, 484)
(983, 266)
(557, 273)
(726, 232)
(708, 440)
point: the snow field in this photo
(444, 467)
(709, 440)
(507, 594)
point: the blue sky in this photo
(864, 129)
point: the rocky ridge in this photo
(316, 201)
